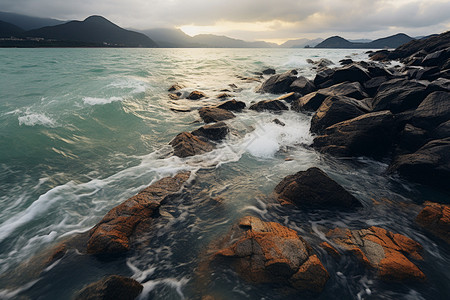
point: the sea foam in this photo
(33, 119)
(100, 101)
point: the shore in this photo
(395, 114)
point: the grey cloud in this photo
(338, 16)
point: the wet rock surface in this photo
(435, 218)
(387, 252)
(196, 95)
(314, 189)
(214, 114)
(334, 110)
(370, 134)
(312, 101)
(111, 288)
(187, 144)
(267, 252)
(269, 105)
(214, 132)
(232, 105)
(113, 234)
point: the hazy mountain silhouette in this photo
(301, 43)
(96, 30)
(388, 42)
(28, 22)
(175, 38)
(8, 30)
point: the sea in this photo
(82, 130)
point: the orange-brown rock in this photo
(112, 234)
(186, 144)
(267, 252)
(330, 249)
(435, 218)
(382, 250)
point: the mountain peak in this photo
(97, 19)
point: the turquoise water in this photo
(82, 130)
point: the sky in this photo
(268, 20)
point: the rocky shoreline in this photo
(400, 115)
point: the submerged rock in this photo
(215, 132)
(176, 87)
(435, 218)
(314, 189)
(224, 95)
(382, 250)
(269, 71)
(271, 105)
(111, 288)
(187, 144)
(232, 105)
(370, 134)
(113, 233)
(215, 114)
(196, 95)
(429, 165)
(267, 252)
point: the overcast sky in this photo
(270, 20)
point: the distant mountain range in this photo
(96, 31)
(388, 42)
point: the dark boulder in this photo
(278, 84)
(314, 189)
(186, 144)
(411, 138)
(435, 218)
(429, 165)
(434, 110)
(440, 84)
(111, 288)
(428, 45)
(437, 58)
(214, 114)
(302, 85)
(312, 101)
(271, 105)
(376, 70)
(323, 78)
(372, 85)
(370, 134)
(398, 95)
(334, 110)
(346, 61)
(196, 95)
(442, 131)
(380, 55)
(352, 73)
(268, 252)
(214, 132)
(269, 71)
(113, 234)
(232, 105)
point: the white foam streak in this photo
(10, 294)
(100, 101)
(171, 282)
(33, 119)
